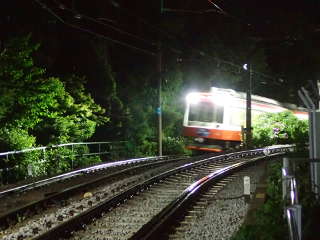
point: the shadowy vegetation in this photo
(270, 223)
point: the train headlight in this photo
(199, 140)
(193, 98)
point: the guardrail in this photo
(290, 197)
(55, 159)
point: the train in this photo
(214, 121)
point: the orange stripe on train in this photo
(218, 134)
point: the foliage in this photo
(142, 124)
(174, 146)
(270, 223)
(107, 90)
(279, 128)
(40, 110)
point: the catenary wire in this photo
(92, 32)
(170, 35)
(107, 25)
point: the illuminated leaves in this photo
(277, 128)
(39, 105)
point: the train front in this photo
(207, 124)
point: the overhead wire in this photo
(107, 25)
(220, 9)
(237, 67)
(44, 6)
(112, 40)
(158, 29)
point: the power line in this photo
(105, 24)
(220, 9)
(112, 40)
(200, 52)
(92, 32)
(158, 29)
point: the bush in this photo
(174, 146)
(270, 224)
(279, 128)
(39, 110)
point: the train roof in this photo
(256, 98)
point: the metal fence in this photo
(51, 160)
(290, 197)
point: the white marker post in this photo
(246, 187)
(30, 170)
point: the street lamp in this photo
(248, 131)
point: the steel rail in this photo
(80, 220)
(74, 189)
(155, 228)
(75, 173)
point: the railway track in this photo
(103, 168)
(121, 216)
(76, 187)
(215, 209)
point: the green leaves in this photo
(278, 128)
(39, 110)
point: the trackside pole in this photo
(314, 139)
(292, 210)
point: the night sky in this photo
(288, 31)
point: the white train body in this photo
(213, 120)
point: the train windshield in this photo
(205, 113)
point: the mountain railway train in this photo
(213, 121)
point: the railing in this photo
(51, 160)
(290, 197)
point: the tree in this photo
(39, 110)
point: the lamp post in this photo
(248, 131)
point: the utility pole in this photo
(159, 110)
(159, 69)
(248, 68)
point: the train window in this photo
(206, 112)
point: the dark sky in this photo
(267, 20)
(285, 28)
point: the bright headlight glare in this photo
(193, 98)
